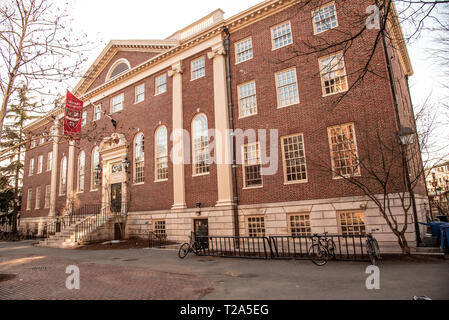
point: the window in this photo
(81, 171)
(33, 143)
(98, 112)
(333, 74)
(96, 176)
(42, 140)
(40, 164)
(300, 225)
(31, 167)
(247, 99)
(29, 198)
(117, 103)
(198, 68)
(287, 88)
(161, 84)
(63, 177)
(294, 159)
(159, 229)
(200, 145)
(38, 198)
(244, 50)
(256, 227)
(252, 175)
(47, 197)
(281, 35)
(139, 159)
(140, 93)
(343, 151)
(352, 223)
(120, 68)
(325, 18)
(49, 161)
(84, 120)
(161, 153)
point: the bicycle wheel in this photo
(184, 250)
(371, 252)
(377, 250)
(319, 254)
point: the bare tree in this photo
(38, 48)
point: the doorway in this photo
(116, 198)
(201, 229)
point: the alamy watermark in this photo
(373, 280)
(73, 280)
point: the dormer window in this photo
(118, 68)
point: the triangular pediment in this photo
(132, 52)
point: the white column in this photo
(223, 142)
(70, 175)
(178, 127)
(54, 169)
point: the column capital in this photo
(175, 69)
(217, 50)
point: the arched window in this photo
(161, 154)
(200, 145)
(95, 172)
(139, 158)
(81, 167)
(63, 177)
(119, 67)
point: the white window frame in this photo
(97, 111)
(304, 224)
(249, 50)
(314, 21)
(84, 121)
(31, 168)
(38, 198)
(257, 228)
(352, 213)
(114, 105)
(161, 232)
(202, 69)
(200, 151)
(325, 76)
(81, 172)
(63, 177)
(284, 159)
(93, 185)
(138, 94)
(245, 164)
(279, 87)
(47, 196)
(159, 157)
(356, 173)
(273, 39)
(29, 199)
(139, 163)
(159, 84)
(239, 87)
(50, 161)
(40, 164)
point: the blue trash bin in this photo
(444, 234)
(435, 227)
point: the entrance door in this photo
(201, 229)
(116, 198)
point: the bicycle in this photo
(186, 248)
(372, 248)
(322, 250)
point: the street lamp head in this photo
(406, 136)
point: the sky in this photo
(105, 20)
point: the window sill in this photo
(200, 175)
(289, 105)
(249, 116)
(252, 188)
(274, 49)
(296, 182)
(334, 93)
(197, 78)
(159, 94)
(136, 103)
(236, 63)
(159, 181)
(138, 184)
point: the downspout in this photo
(404, 157)
(227, 46)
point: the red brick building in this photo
(152, 90)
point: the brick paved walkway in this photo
(44, 278)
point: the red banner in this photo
(73, 115)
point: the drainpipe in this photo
(404, 156)
(227, 46)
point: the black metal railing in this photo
(235, 247)
(20, 235)
(156, 240)
(350, 248)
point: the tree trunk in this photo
(403, 244)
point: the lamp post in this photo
(406, 138)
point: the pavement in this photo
(35, 273)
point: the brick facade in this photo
(369, 105)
